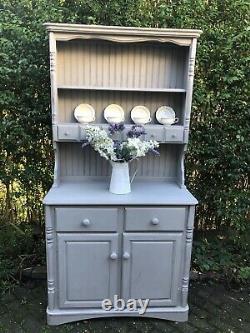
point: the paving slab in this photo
(213, 309)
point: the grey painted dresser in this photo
(100, 244)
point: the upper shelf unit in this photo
(129, 66)
(105, 65)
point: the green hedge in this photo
(218, 157)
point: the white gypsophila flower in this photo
(101, 142)
(118, 151)
(138, 148)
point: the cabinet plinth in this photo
(138, 245)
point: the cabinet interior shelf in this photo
(160, 90)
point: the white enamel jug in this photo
(120, 182)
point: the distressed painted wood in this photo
(100, 244)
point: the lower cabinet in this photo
(87, 269)
(134, 253)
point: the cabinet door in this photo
(87, 269)
(151, 267)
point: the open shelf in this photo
(69, 99)
(104, 65)
(166, 90)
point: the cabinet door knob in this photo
(126, 255)
(155, 221)
(113, 256)
(86, 222)
(66, 133)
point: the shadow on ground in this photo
(212, 309)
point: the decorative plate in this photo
(114, 114)
(84, 113)
(165, 115)
(140, 115)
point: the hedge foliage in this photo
(218, 157)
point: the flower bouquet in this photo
(120, 152)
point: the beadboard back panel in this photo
(78, 162)
(69, 99)
(106, 64)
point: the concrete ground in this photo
(212, 309)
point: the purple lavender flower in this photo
(113, 128)
(136, 131)
(85, 143)
(154, 151)
(117, 144)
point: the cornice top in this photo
(121, 31)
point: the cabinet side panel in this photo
(50, 253)
(189, 83)
(188, 252)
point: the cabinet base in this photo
(58, 316)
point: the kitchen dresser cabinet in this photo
(138, 245)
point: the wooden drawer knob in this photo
(113, 256)
(155, 221)
(86, 222)
(126, 255)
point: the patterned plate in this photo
(84, 113)
(114, 114)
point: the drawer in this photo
(173, 134)
(68, 132)
(158, 219)
(86, 219)
(155, 133)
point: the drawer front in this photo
(155, 219)
(155, 133)
(174, 134)
(86, 219)
(67, 132)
